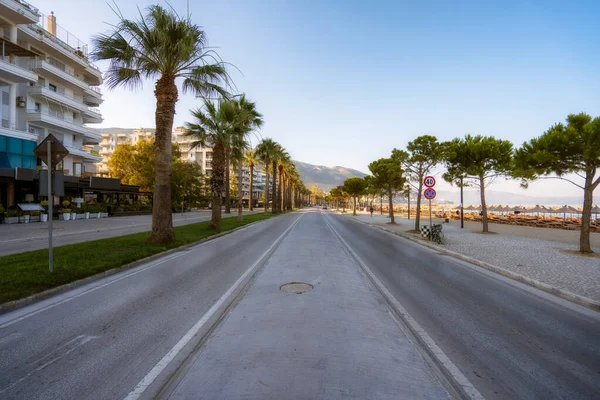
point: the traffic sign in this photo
(429, 181)
(429, 193)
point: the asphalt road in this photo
(99, 344)
(99, 341)
(510, 341)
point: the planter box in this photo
(35, 218)
(87, 215)
(64, 217)
(11, 220)
(103, 215)
(73, 216)
(25, 219)
(80, 216)
(44, 218)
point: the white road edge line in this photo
(113, 280)
(444, 363)
(164, 362)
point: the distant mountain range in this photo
(325, 177)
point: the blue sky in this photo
(343, 82)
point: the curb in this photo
(34, 298)
(564, 294)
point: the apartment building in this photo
(47, 86)
(198, 154)
(110, 141)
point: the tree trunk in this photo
(240, 192)
(418, 214)
(354, 212)
(281, 188)
(216, 184)
(483, 206)
(162, 219)
(274, 203)
(381, 205)
(391, 203)
(586, 215)
(409, 206)
(227, 183)
(251, 195)
(266, 205)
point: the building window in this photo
(5, 98)
(52, 87)
(38, 107)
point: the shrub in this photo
(1, 210)
(66, 210)
(35, 213)
(66, 203)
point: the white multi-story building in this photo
(198, 154)
(110, 141)
(47, 86)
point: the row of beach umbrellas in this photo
(566, 209)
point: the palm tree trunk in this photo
(227, 184)
(240, 193)
(281, 188)
(162, 218)
(251, 196)
(274, 204)
(216, 183)
(266, 186)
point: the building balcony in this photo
(10, 130)
(16, 71)
(57, 95)
(86, 155)
(58, 71)
(53, 120)
(92, 96)
(92, 115)
(19, 11)
(66, 44)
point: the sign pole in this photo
(50, 200)
(430, 223)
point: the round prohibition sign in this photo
(429, 193)
(429, 181)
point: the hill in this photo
(325, 177)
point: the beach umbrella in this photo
(469, 208)
(596, 210)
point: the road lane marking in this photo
(166, 360)
(10, 337)
(54, 356)
(455, 377)
(73, 296)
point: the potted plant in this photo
(25, 217)
(81, 212)
(44, 215)
(103, 210)
(65, 214)
(35, 216)
(12, 217)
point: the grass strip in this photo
(24, 274)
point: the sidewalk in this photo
(527, 251)
(335, 341)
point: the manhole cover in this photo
(297, 287)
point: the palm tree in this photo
(266, 151)
(282, 162)
(164, 47)
(214, 127)
(247, 119)
(251, 161)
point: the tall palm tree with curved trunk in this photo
(163, 47)
(251, 161)
(267, 151)
(215, 127)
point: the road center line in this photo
(164, 362)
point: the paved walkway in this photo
(17, 238)
(536, 253)
(335, 341)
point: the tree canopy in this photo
(389, 176)
(355, 186)
(561, 150)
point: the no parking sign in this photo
(429, 193)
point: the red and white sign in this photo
(429, 193)
(429, 181)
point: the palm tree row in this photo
(165, 47)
